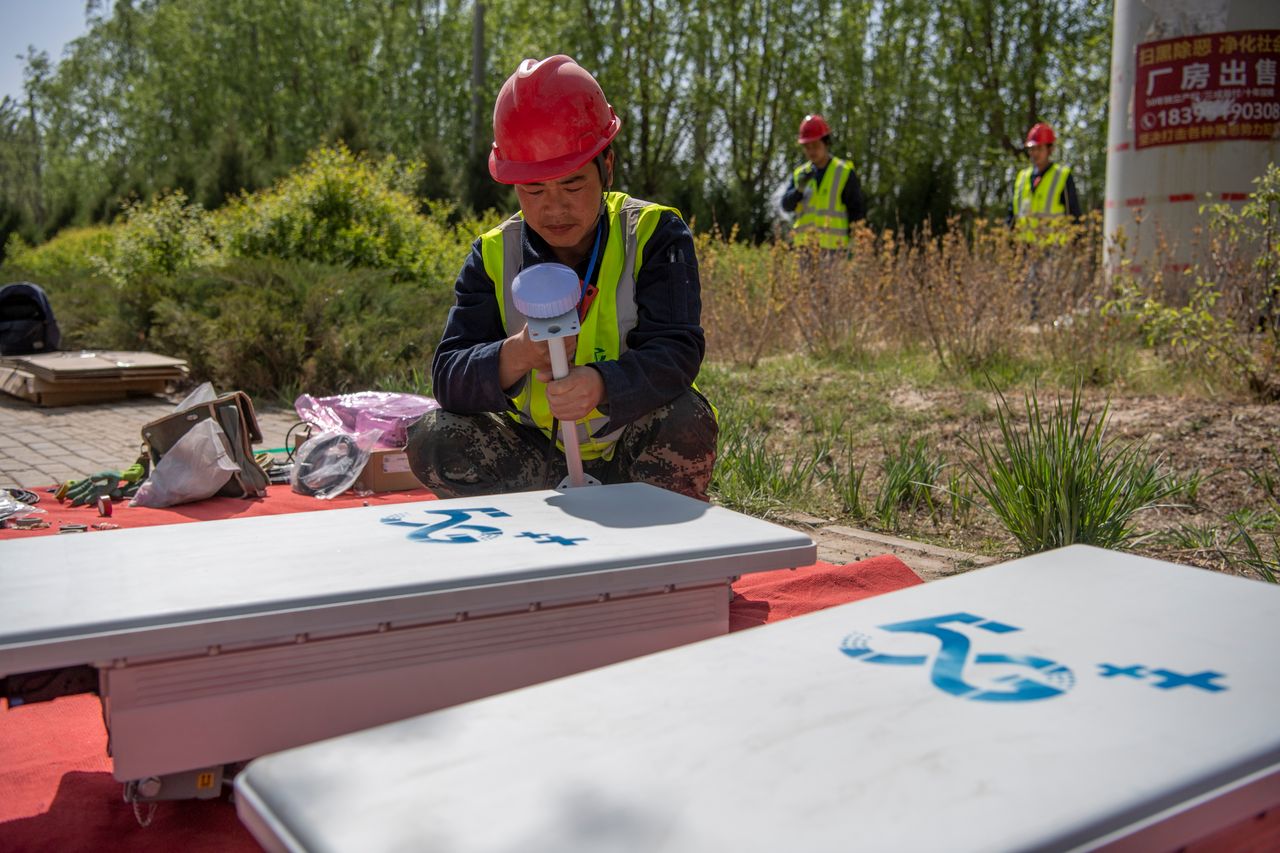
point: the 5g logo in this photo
(456, 528)
(1015, 678)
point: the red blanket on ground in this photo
(279, 501)
(56, 788)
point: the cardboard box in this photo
(43, 392)
(387, 471)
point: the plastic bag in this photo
(392, 413)
(195, 468)
(11, 507)
(203, 393)
(329, 462)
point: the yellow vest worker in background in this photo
(630, 384)
(1044, 192)
(825, 194)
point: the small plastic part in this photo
(543, 291)
(27, 522)
(104, 506)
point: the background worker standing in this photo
(1043, 191)
(629, 389)
(825, 193)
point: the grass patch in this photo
(1059, 481)
(909, 477)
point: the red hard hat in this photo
(813, 128)
(1040, 134)
(550, 119)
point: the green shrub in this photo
(72, 252)
(281, 327)
(344, 210)
(1061, 481)
(161, 237)
(157, 240)
(1231, 320)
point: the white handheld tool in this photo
(547, 295)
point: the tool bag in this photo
(233, 412)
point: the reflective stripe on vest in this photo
(823, 213)
(603, 336)
(1034, 207)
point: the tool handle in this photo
(568, 429)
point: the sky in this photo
(47, 24)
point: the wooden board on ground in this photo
(97, 364)
(66, 392)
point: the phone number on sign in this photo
(1209, 111)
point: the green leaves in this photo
(214, 96)
(1059, 481)
(1231, 318)
(344, 210)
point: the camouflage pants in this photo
(457, 456)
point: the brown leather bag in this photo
(233, 412)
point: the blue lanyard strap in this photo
(591, 265)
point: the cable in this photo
(290, 450)
(328, 461)
(23, 496)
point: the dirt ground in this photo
(1220, 443)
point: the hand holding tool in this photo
(547, 294)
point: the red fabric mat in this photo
(56, 788)
(773, 596)
(279, 501)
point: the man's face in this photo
(1040, 155)
(816, 151)
(564, 211)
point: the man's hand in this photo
(520, 354)
(573, 397)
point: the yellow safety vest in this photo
(821, 214)
(603, 336)
(1037, 210)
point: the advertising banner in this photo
(1207, 87)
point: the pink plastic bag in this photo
(362, 411)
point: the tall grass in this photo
(909, 477)
(845, 477)
(973, 296)
(1060, 481)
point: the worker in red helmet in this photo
(1044, 192)
(630, 387)
(825, 193)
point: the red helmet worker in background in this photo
(813, 128)
(630, 388)
(1040, 134)
(1043, 192)
(825, 193)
